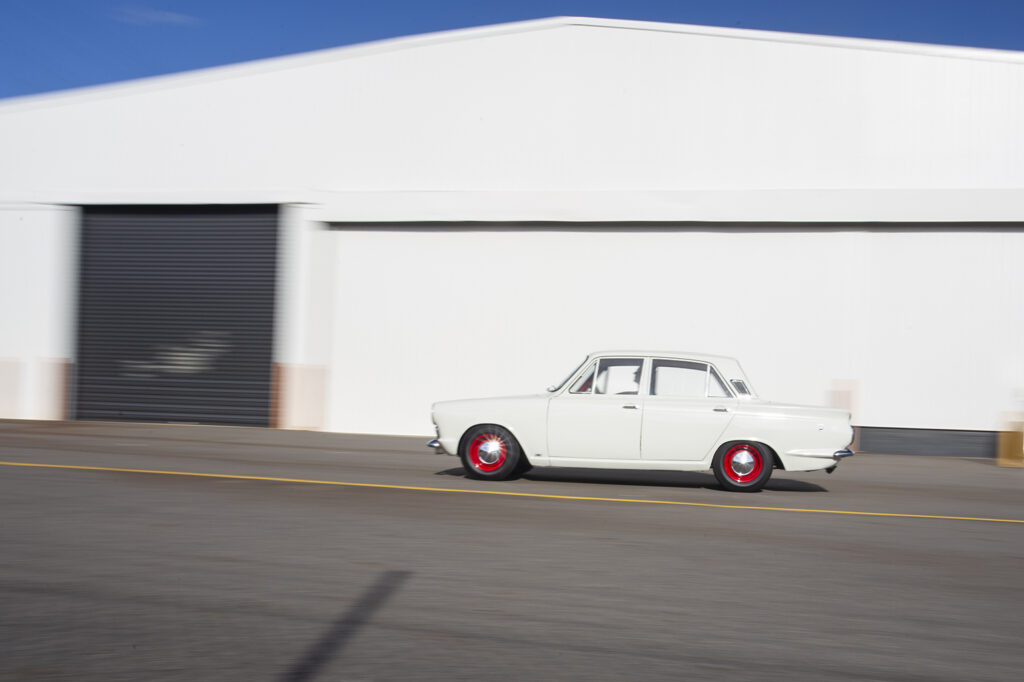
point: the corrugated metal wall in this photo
(176, 314)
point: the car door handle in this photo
(631, 407)
(721, 409)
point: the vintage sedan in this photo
(645, 410)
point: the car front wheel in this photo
(742, 467)
(490, 452)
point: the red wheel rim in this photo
(487, 452)
(742, 463)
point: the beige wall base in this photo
(300, 395)
(1011, 446)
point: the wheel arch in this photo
(725, 445)
(512, 432)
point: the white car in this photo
(645, 410)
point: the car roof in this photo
(728, 366)
(673, 354)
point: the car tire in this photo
(490, 452)
(742, 467)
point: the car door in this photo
(687, 409)
(600, 415)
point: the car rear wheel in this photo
(742, 467)
(490, 452)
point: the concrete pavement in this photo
(114, 575)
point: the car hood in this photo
(475, 403)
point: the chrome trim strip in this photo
(845, 452)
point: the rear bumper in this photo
(812, 460)
(838, 455)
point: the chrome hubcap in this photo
(490, 451)
(742, 463)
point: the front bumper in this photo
(438, 446)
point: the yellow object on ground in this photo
(1011, 444)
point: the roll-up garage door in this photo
(176, 314)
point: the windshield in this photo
(558, 386)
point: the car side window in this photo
(686, 379)
(618, 376)
(716, 387)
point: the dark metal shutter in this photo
(176, 314)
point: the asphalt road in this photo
(119, 575)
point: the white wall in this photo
(570, 105)
(566, 120)
(921, 328)
(304, 318)
(915, 329)
(37, 280)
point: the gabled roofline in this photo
(367, 49)
(867, 44)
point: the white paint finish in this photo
(320, 270)
(44, 389)
(37, 278)
(684, 428)
(945, 334)
(10, 388)
(593, 430)
(524, 416)
(306, 266)
(805, 438)
(291, 313)
(922, 323)
(302, 320)
(563, 109)
(617, 206)
(594, 426)
(571, 120)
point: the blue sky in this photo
(57, 44)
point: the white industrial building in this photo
(335, 240)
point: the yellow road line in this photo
(505, 492)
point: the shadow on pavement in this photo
(665, 479)
(327, 647)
